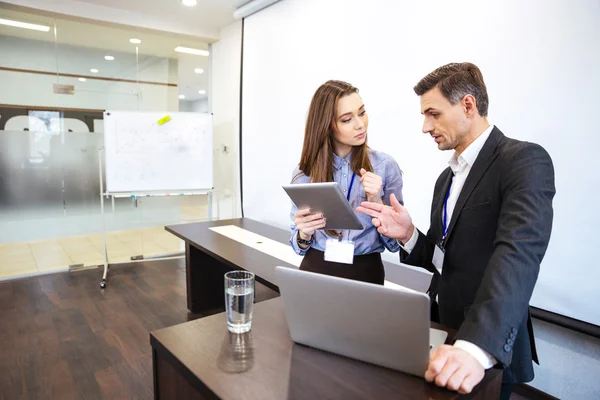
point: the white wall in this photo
(225, 90)
(540, 61)
(21, 88)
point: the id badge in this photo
(339, 251)
(438, 257)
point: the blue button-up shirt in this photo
(368, 240)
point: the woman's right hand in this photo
(308, 222)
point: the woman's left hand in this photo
(372, 185)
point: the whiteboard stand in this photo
(134, 195)
(100, 157)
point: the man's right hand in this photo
(308, 222)
(394, 222)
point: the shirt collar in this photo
(339, 162)
(469, 155)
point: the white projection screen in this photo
(541, 63)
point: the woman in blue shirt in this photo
(335, 146)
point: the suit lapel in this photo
(482, 163)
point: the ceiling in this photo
(109, 37)
(202, 21)
(115, 39)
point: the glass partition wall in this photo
(55, 82)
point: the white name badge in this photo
(340, 252)
(438, 258)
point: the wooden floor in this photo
(62, 337)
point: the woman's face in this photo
(351, 121)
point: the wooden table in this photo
(209, 255)
(202, 360)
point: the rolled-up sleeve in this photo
(294, 233)
(296, 178)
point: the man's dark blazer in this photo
(496, 240)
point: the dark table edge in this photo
(197, 383)
(162, 352)
(260, 279)
(225, 222)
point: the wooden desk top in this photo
(266, 364)
(232, 253)
(238, 255)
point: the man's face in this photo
(446, 123)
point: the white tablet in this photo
(326, 198)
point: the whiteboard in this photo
(142, 155)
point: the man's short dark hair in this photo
(456, 80)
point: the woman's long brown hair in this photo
(316, 160)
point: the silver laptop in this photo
(380, 325)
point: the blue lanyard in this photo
(446, 212)
(347, 195)
(350, 188)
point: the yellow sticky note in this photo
(164, 120)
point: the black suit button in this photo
(514, 330)
(510, 342)
(513, 336)
(507, 348)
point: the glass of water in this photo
(239, 300)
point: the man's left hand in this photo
(454, 369)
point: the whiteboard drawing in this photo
(142, 155)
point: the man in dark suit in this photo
(491, 218)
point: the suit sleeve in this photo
(522, 236)
(422, 254)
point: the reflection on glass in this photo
(50, 142)
(48, 177)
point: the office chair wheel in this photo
(103, 283)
